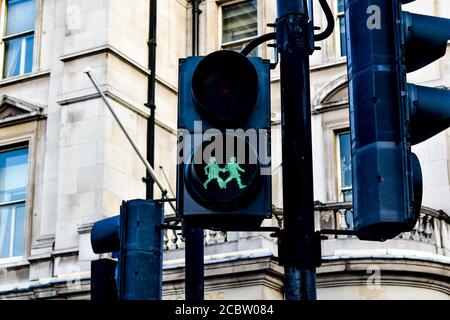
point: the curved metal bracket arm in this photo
(256, 42)
(330, 22)
(338, 232)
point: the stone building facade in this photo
(64, 162)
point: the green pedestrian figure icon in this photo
(234, 170)
(212, 170)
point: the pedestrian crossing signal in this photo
(213, 171)
(223, 180)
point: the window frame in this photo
(14, 205)
(225, 3)
(338, 15)
(340, 189)
(25, 140)
(11, 257)
(4, 38)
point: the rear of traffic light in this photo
(105, 238)
(103, 280)
(223, 176)
(136, 238)
(388, 115)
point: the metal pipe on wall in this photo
(195, 26)
(149, 194)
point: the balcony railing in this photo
(433, 227)
(174, 240)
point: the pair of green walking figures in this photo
(212, 170)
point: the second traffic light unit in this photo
(223, 176)
(135, 238)
(387, 114)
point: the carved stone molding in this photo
(13, 110)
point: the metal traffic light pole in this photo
(298, 246)
(194, 248)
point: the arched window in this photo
(340, 14)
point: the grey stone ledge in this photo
(85, 227)
(21, 119)
(40, 257)
(105, 49)
(25, 77)
(66, 252)
(109, 92)
(15, 264)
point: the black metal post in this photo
(194, 249)
(194, 264)
(298, 246)
(151, 96)
(195, 26)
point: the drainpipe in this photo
(151, 97)
(195, 23)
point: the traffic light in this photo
(223, 176)
(387, 114)
(136, 236)
(105, 238)
(103, 280)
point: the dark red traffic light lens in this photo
(225, 87)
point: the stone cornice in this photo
(121, 56)
(105, 49)
(120, 99)
(396, 272)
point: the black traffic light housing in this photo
(103, 280)
(425, 39)
(220, 92)
(136, 237)
(388, 115)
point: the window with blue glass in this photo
(13, 190)
(19, 37)
(239, 24)
(345, 166)
(341, 23)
